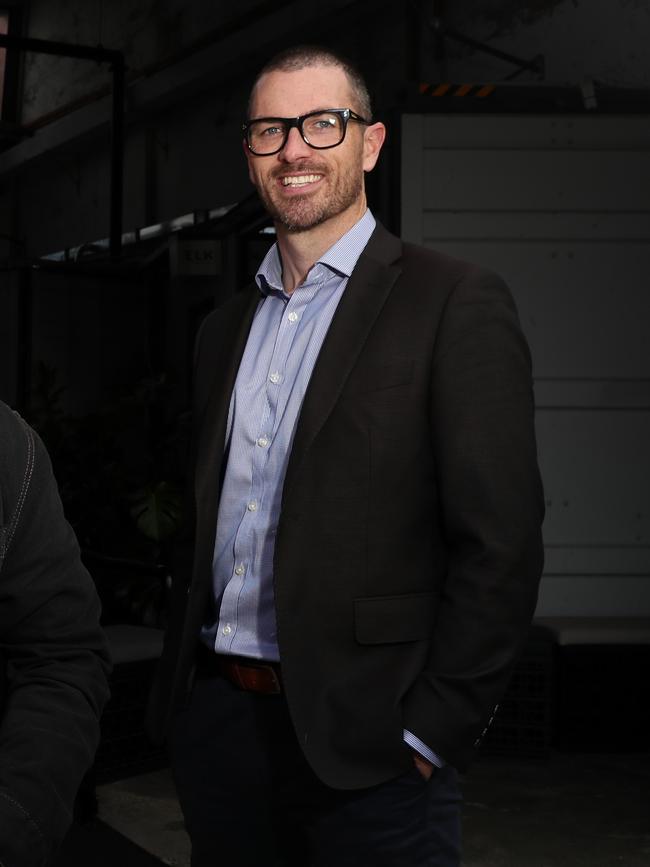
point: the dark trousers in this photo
(250, 799)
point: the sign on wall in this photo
(195, 257)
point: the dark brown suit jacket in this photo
(409, 549)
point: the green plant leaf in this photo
(157, 511)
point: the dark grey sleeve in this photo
(53, 654)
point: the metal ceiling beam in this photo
(535, 64)
(115, 59)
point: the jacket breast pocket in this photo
(393, 619)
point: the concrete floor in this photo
(567, 811)
(146, 811)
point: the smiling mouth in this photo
(299, 180)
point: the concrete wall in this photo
(147, 31)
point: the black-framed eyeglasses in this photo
(320, 129)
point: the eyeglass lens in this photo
(322, 130)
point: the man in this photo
(368, 515)
(52, 653)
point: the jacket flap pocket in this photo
(388, 619)
(377, 377)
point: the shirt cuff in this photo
(416, 744)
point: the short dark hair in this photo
(303, 56)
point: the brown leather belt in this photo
(251, 675)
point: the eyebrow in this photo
(292, 116)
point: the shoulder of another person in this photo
(18, 444)
(10, 419)
(17, 441)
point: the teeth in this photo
(300, 180)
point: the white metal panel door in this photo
(559, 205)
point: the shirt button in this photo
(292, 317)
(239, 570)
(275, 377)
(227, 629)
(252, 506)
(263, 442)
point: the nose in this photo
(295, 147)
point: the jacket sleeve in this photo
(54, 655)
(491, 505)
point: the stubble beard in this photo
(302, 213)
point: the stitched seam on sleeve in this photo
(27, 477)
(22, 810)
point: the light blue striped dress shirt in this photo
(284, 342)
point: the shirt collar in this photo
(340, 258)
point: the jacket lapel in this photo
(370, 283)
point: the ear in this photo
(373, 139)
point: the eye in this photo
(269, 131)
(324, 123)
(322, 127)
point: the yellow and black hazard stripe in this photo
(477, 91)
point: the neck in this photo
(299, 251)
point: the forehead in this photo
(289, 94)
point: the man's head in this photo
(304, 56)
(307, 183)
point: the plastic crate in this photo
(523, 723)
